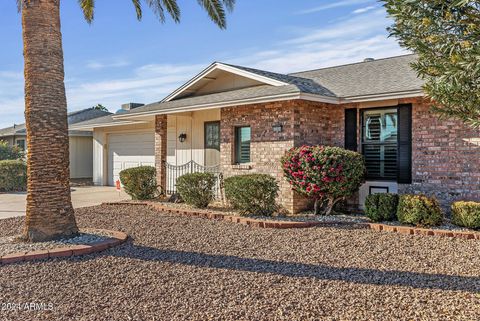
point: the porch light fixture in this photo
(277, 128)
(182, 137)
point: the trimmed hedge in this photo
(466, 214)
(252, 194)
(381, 207)
(197, 189)
(13, 176)
(419, 210)
(140, 182)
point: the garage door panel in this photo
(128, 151)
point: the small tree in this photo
(100, 107)
(8, 152)
(445, 35)
(325, 174)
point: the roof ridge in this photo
(294, 74)
(264, 70)
(79, 111)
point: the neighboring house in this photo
(81, 145)
(242, 120)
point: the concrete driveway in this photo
(13, 204)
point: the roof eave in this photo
(383, 96)
(91, 127)
(240, 102)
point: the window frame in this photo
(205, 145)
(363, 143)
(24, 147)
(237, 145)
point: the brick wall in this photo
(446, 157)
(304, 123)
(267, 147)
(161, 150)
(446, 154)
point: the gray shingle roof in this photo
(73, 118)
(97, 121)
(389, 75)
(380, 76)
(303, 84)
(222, 97)
(86, 114)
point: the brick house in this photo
(242, 120)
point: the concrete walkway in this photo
(13, 204)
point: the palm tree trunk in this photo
(49, 208)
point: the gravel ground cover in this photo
(302, 217)
(183, 268)
(13, 243)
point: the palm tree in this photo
(49, 211)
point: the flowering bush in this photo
(325, 174)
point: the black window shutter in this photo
(351, 129)
(404, 151)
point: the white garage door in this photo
(129, 150)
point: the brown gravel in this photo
(15, 244)
(181, 268)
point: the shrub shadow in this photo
(416, 280)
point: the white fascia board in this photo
(113, 124)
(375, 97)
(220, 66)
(248, 101)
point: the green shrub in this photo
(13, 176)
(419, 210)
(466, 214)
(252, 194)
(381, 207)
(323, 173)
(8, 152)
(197, 189)
(140, 182)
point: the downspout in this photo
(13, 143)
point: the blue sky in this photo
(117, 59)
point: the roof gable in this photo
(219, 77)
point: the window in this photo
(21, 144)
(212, 135)
(242, 144)
(379, 143)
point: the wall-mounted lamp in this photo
(277, 128)
(182, 137)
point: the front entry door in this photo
(212, 143)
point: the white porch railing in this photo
(175, 171)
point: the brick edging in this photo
(423, 231)
(75, 250)
(216, 215)
(292, 224)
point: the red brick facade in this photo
(266, 148)
(446, 158)
(161, 150)
(446, 154)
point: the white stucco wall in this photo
(193, 148)
(81, 157)
(100, 148)
(191, 123)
